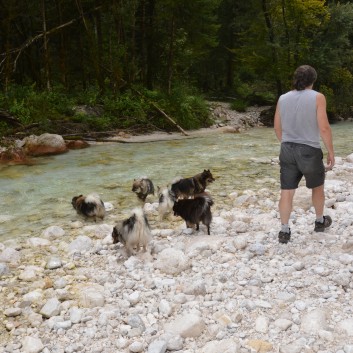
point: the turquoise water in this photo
(37, 196)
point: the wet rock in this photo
(53, 232)
(76, 144)
(14, 155)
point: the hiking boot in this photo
(284, 237)
(320, 227)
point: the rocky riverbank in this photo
(69, 289)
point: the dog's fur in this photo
(142, 187)
(133, 231)
(197, 184)
(166, 201)
(194, 211)
(90, 206)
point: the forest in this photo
(128, 61)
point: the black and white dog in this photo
(133, 232)
(166, 200)
(90, 206)
(194, 211)
(142, 188)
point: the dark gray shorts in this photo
(296, 160)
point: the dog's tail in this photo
(142, 227)
(176, 180)
(205, 202)
(207, 197)
(166, 200)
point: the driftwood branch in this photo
(157, 108)
(162, 112)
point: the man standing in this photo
(300, 120)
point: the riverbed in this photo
(36, 196)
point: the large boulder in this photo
(45, 144)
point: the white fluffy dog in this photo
(133, 232)
(166, 201)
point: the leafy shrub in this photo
(239, 105)
(186, 107)
(49, 109)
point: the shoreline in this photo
(164, 136)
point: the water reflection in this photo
(39, 195)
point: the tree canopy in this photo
(247, 50)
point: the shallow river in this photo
(35, 197)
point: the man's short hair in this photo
(304, 76)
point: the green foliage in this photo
(339, 95)
(244, 49)
(330, 99)
(239, 105)
(187, 107)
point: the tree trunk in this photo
(45, 47)
(171, 54)
(93, 46)
(271, 36)
(63, 50)
(150, 44)
(285, 25)
(99, 48)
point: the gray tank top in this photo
(298, 117)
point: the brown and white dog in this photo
(194, 211)
(133, 232)
(142, 188)
(90, 206)
(189, 187)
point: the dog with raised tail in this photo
(189, 187)
(133, 232)
(142, 188)
(166, 200)
(90, 206)
(194, 211)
